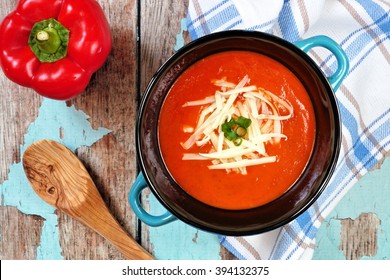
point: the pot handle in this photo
(341, 57)
(134, 199)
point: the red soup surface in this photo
(262, 183)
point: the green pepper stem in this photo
(42, 36)
(48, 40)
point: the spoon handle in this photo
(96, 215)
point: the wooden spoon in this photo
(61, 180)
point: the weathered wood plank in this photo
(160, 23)
(18, 107)
(359, 237)
(110, 102)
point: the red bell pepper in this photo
(54, 46)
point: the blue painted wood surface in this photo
(178, 240)
(371, 194)
(55, 121)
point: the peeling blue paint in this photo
(49, 247)
(370, 194)
(55, 121)
(179, 37)
(179, 241)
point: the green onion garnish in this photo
(234, 130)
(243, 122)
(240, 131)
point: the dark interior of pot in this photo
(306, 189)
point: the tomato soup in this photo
(261, 183)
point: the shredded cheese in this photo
(207, 100)
(244, 163)
(265, 111)
(188, 129)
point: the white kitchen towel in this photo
(362, 28)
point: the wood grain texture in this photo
(20, 233)
(359, 237)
